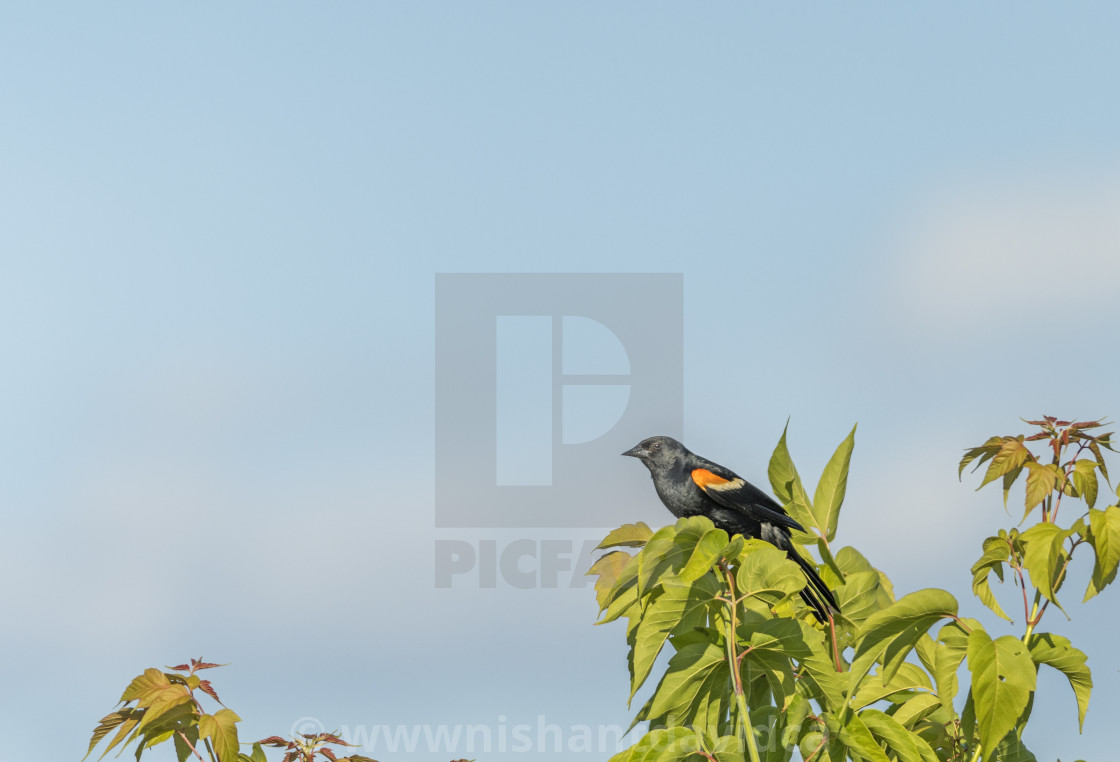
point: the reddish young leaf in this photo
(328, 754)
(179, 667)
(332, 738)
(276, 741)
(200, 664)
(1086, 424)
(208, 689)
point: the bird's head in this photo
(657, 452)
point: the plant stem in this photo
(1023, 587)
(209, 748)
(1032, 620)
(746, 729)
(190, 745)
(816, 751)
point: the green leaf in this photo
(968, 720)
(829, 495)
(764, 571)
(950, 652)
(1010, 457)
(623, 595)
(1104, 536)
(996, 552)
(145, 687)
(159, 704)
(860, 588)
(1094, 448)
(661, 745)
(782, 472)
(609, 569)
(733, 549)
(908, 677)
(827, 558)
(1009, 480)
(108, 722)
(181, 715)
(1044, 557)
(909, 747)
(125, 727)
(1041, 481)
(801, 510)
(151, 739)
(1057, 652)
(694, 670)
(858, 597)
(668, 550)
(1084, 478)
(1003, 677)
(821, 680)
(789, 638)
(658, 557)
(890, 634)
(985, 452)
(811, 744)
(183, 749)
(787, 487)
(859, 739)
(915, 709)
(1011, 749)
(793, 718)
(679, 608)
(221, 729)
(627, 535)
(926, 649)
(704, 554)
(769, 645)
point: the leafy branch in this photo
(743, 645)
(162, 706)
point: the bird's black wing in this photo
(736, 493)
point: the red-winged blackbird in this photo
(689, 485)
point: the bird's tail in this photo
(816, 594)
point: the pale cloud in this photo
(1043, 241)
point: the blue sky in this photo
(221, 227)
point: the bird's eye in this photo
(655, 446)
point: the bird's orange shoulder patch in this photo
(706, 478)
(709, 481)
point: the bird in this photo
(690, 485)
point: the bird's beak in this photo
(636, 452)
